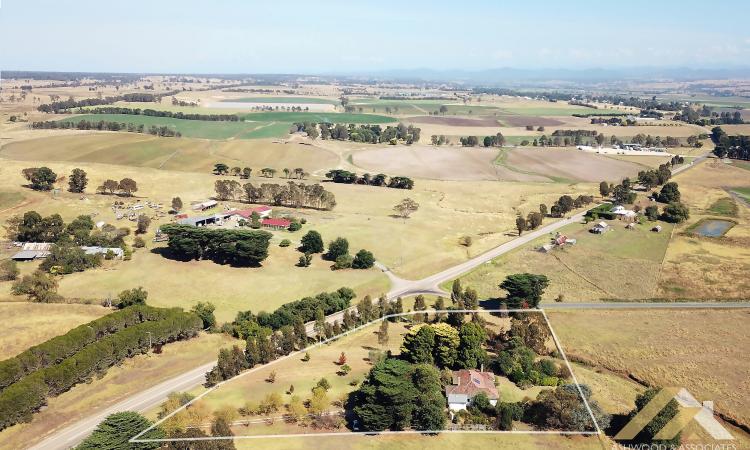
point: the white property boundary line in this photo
(598, 432)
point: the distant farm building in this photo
(276, 224)
(623, 213)
(116, 252)
(202, 206)
(33, 250)
(558, 241)
(600, 228)
(466, 385)
(656, 229)
(202, 221)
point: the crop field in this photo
(29, 324)
(188, 128)
(584, 271)
(180, 154)
(569, 164)
(709, 268)
(119, 383)
(702, 351)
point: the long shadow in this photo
(166, 253)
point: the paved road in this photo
(646, 305)
(144, 400)
(151, 397)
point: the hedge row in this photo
(21, 399)
(58, 348)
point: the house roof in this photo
(276, 222)
(29, 254)
(103, 250)
(246, 213)
(471, 383)
(38, 246)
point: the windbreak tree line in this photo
(21, 399)
(64, 105)
(291, 195)
(170, 114)
(347, 177)
(103, 125)
(237, 247)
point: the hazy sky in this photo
(367, 36)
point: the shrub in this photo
(363, 260)
(295, 226)
(343, 262)
(138, 242)
(8, 270)
(130, 297)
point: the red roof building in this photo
(276, 224)
(263, 212)
(467, 384)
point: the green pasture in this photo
(291, 117)
(294, 100)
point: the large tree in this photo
(405, 208)
(471, 352)
(77, 181)
(524, 289)
(117, 429)
(336, 248)
(312, 242)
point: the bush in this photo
(38, 287)
(138, 242)
(343, 262)
(675, 213)
(363, 260)
(285, 243)
(8, 270)
(130, 297)
(295, 226)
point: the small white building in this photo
(600, 228)
(202, 206)
(117, 252)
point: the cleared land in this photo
(29, 324)
(709, 268)
(620, 264)
(291, 117)
(568, 164)
(295, 100)
(182, 154)
(702, 351)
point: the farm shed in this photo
(116, 251)
(202, 206)
(276, 224)
(33, 250)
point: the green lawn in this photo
(724, 207)
(291, 117)
(296, 100)
(741, 164)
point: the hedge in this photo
(58, 348)
(22, 398)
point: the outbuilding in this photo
(276, 224)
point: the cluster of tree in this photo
(65, 105)
(222, 246)
(707, 116)
(126, 187)
(446, 346)
(655, 141)
(398, 395)
(647, 435)
(622, 193)
(566, 203)
(371, 134)
(735, 147)
(619, 121)
(32, 227)
(292, 195)
(564, 409)
(497, 140)
(174, 115)
(655, 177)
(102, 125)
(246, 172)
(40, 178)
(270, 335)
(80, 354)
(346, 177)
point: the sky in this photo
(221, 36)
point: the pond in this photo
(713, 227)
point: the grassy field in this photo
(118, 384)
(741, 164)
(743, 192)
(29, 324)
(584, 271)
(702, 351)
(709, 268)
(9, 199)
(204, 129)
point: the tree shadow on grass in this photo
(166, 253)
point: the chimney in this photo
(482, 368)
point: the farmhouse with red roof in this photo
(467, 384)
(276, 224)
(263, 211)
